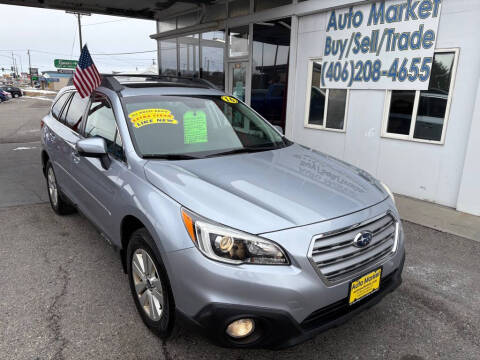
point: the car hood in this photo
(267, 191)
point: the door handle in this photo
(75, 158)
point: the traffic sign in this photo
(65, 64)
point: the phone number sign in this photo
(381, 45)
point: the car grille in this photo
(337, 258)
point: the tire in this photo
(161, 320)
(59, 203)
(16, 96)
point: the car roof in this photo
(152, 88)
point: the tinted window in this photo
(59, 105)
(202, 125)
(433, 102)
(101, 123)
(337, 100)
(271, 49)
(401, 108)
(75, 111)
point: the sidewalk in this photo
(439, 217)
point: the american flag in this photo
(86, 78)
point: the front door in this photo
(98, 188)
(237, 79)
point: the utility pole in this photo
(30, 68)
(79, 14)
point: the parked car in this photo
(14, 91)
(4, 96)
(254, 239)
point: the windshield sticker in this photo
(229, 99)
(144, 117)
(195, 127)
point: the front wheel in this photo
(150, 285)
(57, 201)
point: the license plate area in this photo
(364, 286)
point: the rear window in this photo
(57, 107)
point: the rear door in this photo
(53, 140)
(69, 135)
(98, 191)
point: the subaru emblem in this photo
(363, 238)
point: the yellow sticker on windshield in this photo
(144, 117)
(229, 99)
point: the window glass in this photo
(401, 109)
(76, 108)
(238, 41)
(268, 4)
(317, 96)
(168, 57)
(203, 125)
(271, 46)
(238, 8)
(189, 55)
(59, 104)
(337, 100)
(101, 122)
(433, 102)
(213, 49)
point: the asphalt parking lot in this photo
(64, 295)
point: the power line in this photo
(106, 22)
(126, 53)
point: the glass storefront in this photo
(251, 60)
(271, 48)
(212, 62)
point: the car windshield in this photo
(182, 127)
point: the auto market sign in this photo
(382, 45)
(65, 64)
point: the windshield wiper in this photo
(250, 149)
(170, 156)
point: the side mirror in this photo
(94, 147)
(279, 129)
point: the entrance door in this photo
(237, 79)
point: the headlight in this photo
(389, 192)
(231, 246)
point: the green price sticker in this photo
(195, 127)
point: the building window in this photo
(168, 57)
(212, 49)
(188, 55)
(325, 109)
(422, 115)
(270, 60)
(238, 41)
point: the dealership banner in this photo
(381, 45)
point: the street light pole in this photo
(80, 31)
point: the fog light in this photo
(241, 328)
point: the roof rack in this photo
(110, 81)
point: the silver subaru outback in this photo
(220, 221)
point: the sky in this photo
(53, 34)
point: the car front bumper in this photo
(277, 329)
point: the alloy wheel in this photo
(148, 286)
(52, 186)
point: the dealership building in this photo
(422, 138)
(422, 143)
